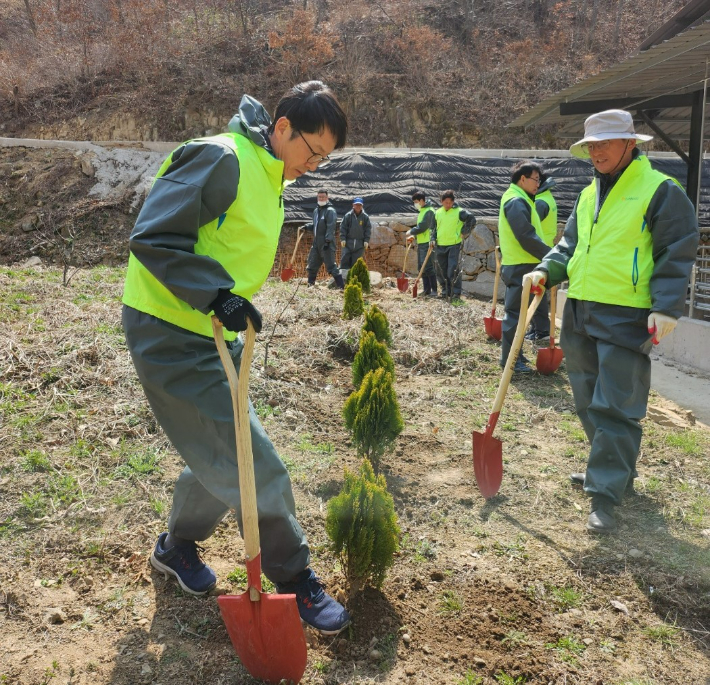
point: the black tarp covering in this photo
(387, 180)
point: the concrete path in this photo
(686, 387)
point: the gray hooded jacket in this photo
(199, 186)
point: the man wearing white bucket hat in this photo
(627, 250)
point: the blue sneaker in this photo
(316, 608)
(184, 563)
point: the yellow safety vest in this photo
(549, 223)
(243, 241)
(613, 260)
(510, 249)
(448, 226)
(425, 236)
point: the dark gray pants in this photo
(606, 351)
(448, 272)
(187, 388)
(512, 276)
(321, 253)
(429, 275)
(350, 255)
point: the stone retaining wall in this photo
(388, 248)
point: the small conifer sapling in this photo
(362, 525)
(371, 355)
(353, 304)
(359, 274)
(372, 416)
(376, 321)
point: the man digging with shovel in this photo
(628, 249)
(204, 243)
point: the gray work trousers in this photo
(321, 253)
(350, 255)
(448, 271)
(187, 389)
(606, 351)
(512, 276)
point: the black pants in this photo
(350, 255)
(448, 272)
(512, 276)
(429, 275)
(321, 253)
(606, 350)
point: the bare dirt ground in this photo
(509, 591)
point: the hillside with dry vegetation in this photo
(409, 72)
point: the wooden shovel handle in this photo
(295, 249)
(523, 323)
(426, 259)
(553, 314)
(239, 388)
(406, 252)
(496, 251)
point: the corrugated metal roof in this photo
(674, 67)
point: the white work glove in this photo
(410, 238)
(342, 243)
(539, 278)
(367, 245)
(660, 325)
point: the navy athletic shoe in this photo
(536, 336)
(316, 608)
(183, 562)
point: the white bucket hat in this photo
(612, 124)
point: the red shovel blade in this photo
(488, 459)
(403, 284)
(549, 359)
(415, 288)
(493, 327)
(287, 274)
(267, 634)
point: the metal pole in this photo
(699, 183)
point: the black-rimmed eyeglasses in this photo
(315, 158)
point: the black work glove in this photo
(232, 310)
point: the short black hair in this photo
(323, 191)
(447, 194)
(311, 107)
(524, 167)
(418, 195)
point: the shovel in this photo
(550, 358)
(265, 629)
(289, 272)
(421, 271)
(403, 281)
(493, 323)
(487, 450)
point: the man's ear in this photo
(281, 126)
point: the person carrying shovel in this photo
(452, 225)
(203, 244)
(627, 250)
(422, 232)
(521, 248)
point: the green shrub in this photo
(371, 355)
(377, 323)
(352, 301)
(362, 525)
(372, 416)
(359, 274)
